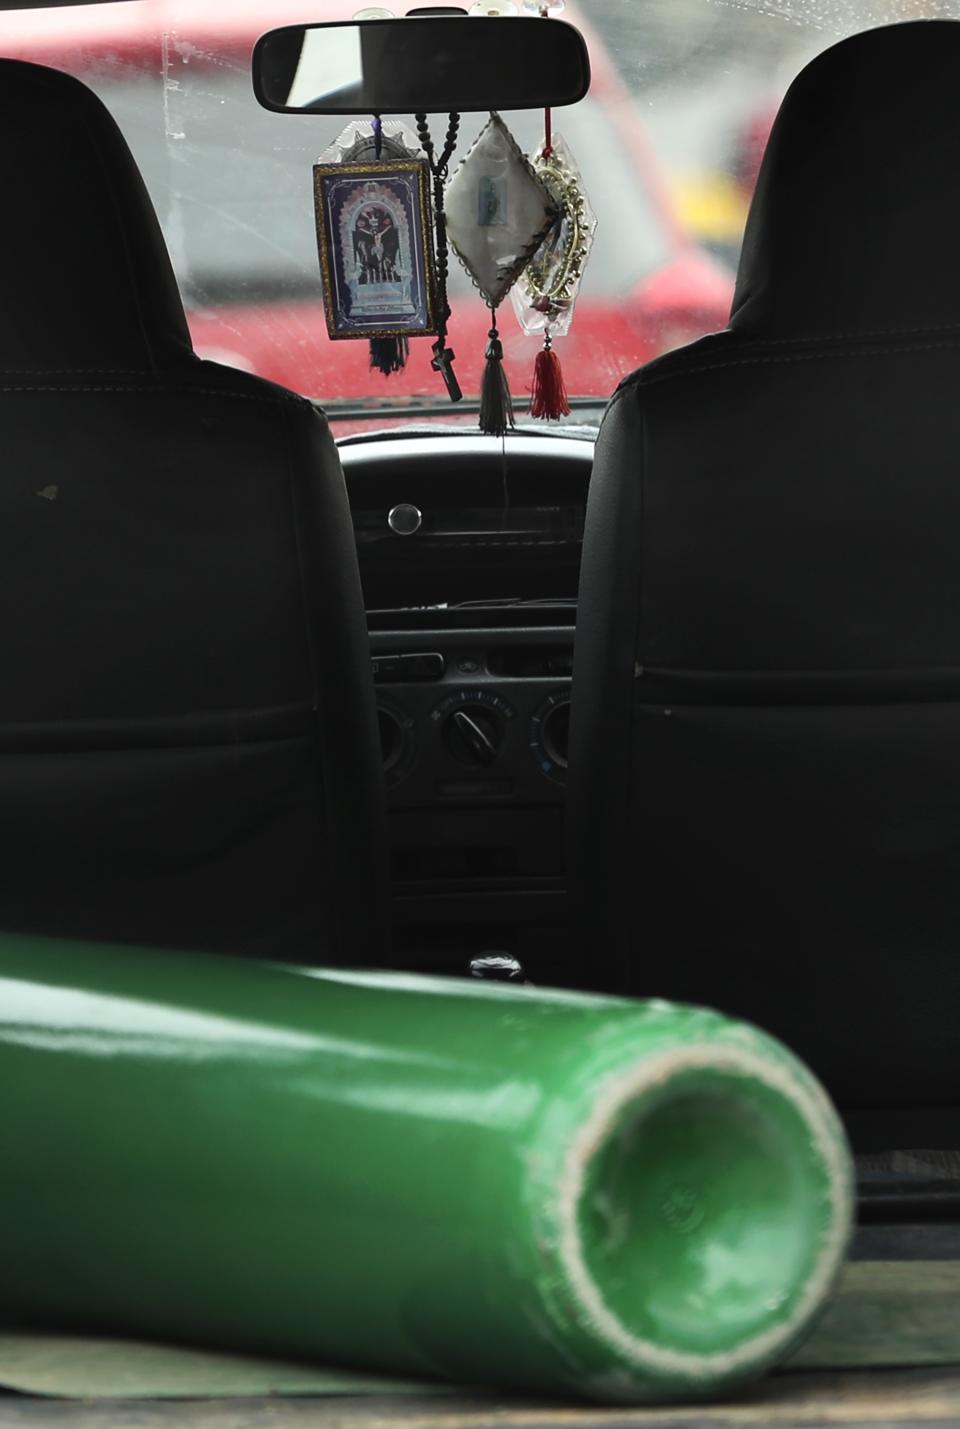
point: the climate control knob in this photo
(473, 725)
(396, 740)
(550, 735)
(473, 736)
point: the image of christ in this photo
(376, 246)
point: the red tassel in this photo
(549, 396)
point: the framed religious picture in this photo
(376, 254)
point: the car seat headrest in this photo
(854, 228)
(86, 279)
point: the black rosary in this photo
(443, 356)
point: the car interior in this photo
(657, 700)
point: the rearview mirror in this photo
(420, 64)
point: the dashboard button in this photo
(394, 669)
(404, 519)
(428, 666)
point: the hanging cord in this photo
(547, 116)
(443, 356)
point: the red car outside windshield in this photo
(232, 185)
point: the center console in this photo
(473, 684)
(474, 721)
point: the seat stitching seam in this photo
(74, 371)
(854, 336)
(292, 399)
(648, 380)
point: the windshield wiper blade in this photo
(362, 409)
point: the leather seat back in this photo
(765, 745)
(188, 741)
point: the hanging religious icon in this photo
(374, 237)
(363, 141)
(545, 293)
(498, 214)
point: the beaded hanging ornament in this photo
(544, 297)
(545, 294)
(443, 356)
(498, 212)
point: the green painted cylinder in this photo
(481, 1182)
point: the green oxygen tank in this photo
(476, 1181)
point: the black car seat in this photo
(764, 807)
(188, 741)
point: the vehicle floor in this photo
(852, 1399)
(886, 1351)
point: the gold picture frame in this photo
(375, 244)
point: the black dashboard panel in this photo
(473, 716)
(477, 518)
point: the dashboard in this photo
(446, 517)
(469, 552)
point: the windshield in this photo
(668, 140)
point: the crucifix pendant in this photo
(443, 363)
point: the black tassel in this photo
(496, 408)
(388, 354)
